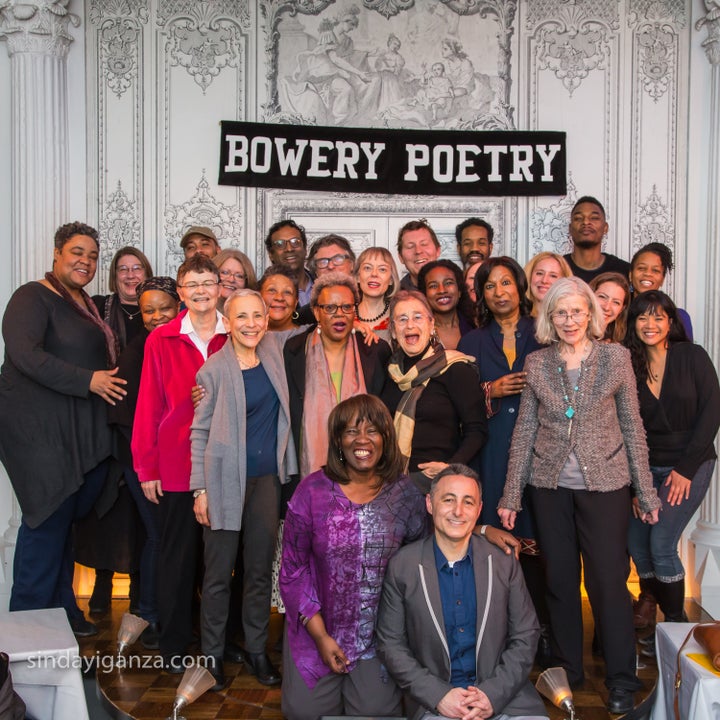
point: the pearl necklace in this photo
(376, 318)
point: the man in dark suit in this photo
(456, 626)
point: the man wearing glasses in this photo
(161, 443)
(286, 244)
(331, 253)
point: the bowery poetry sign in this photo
(411, 162)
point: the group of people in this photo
(403, 441)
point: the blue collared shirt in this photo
(459, 604)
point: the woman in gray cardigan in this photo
(242, 451)
(579, 445)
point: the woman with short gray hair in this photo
(579, 446)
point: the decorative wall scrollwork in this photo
(654, 222)
(202, 208)
(204, 42)
(549, 225)
(572, 37)
(119, 226)
(120, 23)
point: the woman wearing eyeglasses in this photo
(236, 273)
(328, 364)
(579, 447)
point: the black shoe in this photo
(150, 637)
(83, 628)
(173, 664)
(217, 670)
(259, 665)
(101, 597)
(233, 653)
(620, 701)
(648, 649)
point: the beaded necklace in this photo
(570, 410)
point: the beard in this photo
(587, 244)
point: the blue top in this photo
(486, 346)
(459, 605)
(262, 407)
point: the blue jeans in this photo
(148, 559)
(654, 547)
(44, 557)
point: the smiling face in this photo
(291, 252)
(157, 308)
(653, 327)
(475, 245)
(129, 274)
(571, 317)
(441, 290)
(246, 322)
(412, 326)
(418, 248)
(611, 298)
(501, 293)
(75, 263)
(647, 273)
(587, 225)
(544, 274)
(362, 447)
(232, 277)
(199, 298)
(455, 505)
(280, 296)
(335, 326)
(374, 276)
(200, 244)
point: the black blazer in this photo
(373, 358)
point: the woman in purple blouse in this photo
(343, 524)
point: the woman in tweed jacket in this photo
(579, 445)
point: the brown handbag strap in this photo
(678, 675)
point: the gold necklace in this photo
(247, 366)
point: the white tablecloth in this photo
(45, 663)
(699, 695)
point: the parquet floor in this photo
(145, 694)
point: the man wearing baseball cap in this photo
(199, 239)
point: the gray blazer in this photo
(411, 630)
(217, 434)
(607, 432)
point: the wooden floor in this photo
(148, 693)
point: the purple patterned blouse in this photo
(334, 557)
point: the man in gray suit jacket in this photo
(456, 627)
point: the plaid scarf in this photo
(433, 363)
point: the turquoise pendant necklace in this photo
(570, 410)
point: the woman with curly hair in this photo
(442, 283)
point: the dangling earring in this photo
(340, 455)
(318, 330)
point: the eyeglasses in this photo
(418, 318)
(294, 243)
(195, 285)
(332, 308)
(230, 274)
(334, 260)
(561, 316)
(125, 270)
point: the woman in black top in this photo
(680, 407)
(435, 394)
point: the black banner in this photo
(411, 162)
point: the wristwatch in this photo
(198, 493)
